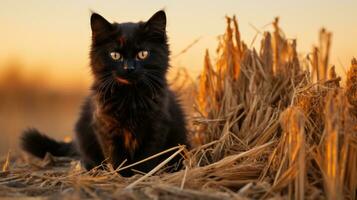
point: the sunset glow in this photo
(53, 37)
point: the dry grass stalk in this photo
(331, 150)
(157, 168)
(351, 84)
(6, 165)
(320, 56)
(324, 51)
(293, 124)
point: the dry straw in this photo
(267, 125)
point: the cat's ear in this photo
(157, 22)
(99, 25)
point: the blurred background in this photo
(44, 45)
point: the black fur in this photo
(39, 144)
(131, 119)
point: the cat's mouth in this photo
(122, 80)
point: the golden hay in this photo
(268, 125)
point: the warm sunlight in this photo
(53, 37)
(178, 99)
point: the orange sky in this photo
(54, 36)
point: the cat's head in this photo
(128, 54)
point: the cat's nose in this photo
(129, 67)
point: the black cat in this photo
(131, 113)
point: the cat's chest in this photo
(135, 104)
(110, 129)
(112, 120)
(135, 114)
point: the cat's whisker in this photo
(101, 88)
(156, 81)
(151, 86)
(112, 88)
(142, 102)
(159, 73)
(104, 90)
(122, 103)
(155, 74)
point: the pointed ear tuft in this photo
(99, 24)
(157, 22)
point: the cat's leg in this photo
(89, 149)
(114, 153)
(154, 144)
(86, 139)
(107, 146)
(177, 136)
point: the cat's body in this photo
(131, 113)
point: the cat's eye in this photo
(115, 55)
(142, 55)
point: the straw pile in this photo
(268, 125)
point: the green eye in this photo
(115, 55)
(142, 55)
